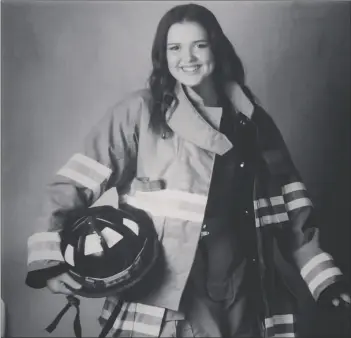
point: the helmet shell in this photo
(110, 251)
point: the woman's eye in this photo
(202, 45)
(173, 48)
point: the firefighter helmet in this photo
(110, 251)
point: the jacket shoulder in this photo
(126, 114)
(268, 131)
(133, 104)
(140, 95)
(263, 119)
(272, 144)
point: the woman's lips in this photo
(190, 69)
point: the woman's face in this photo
(189, 56)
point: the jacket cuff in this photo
(44, 246)
(332, 291)
(45, 259)
(37, 279)
(319, 272)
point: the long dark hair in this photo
(228, 66)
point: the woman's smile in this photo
(190, 69)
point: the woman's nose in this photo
(188, 55)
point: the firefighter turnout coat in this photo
(168, 176)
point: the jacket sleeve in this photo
(297, 234)
(107, 160)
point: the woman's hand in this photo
(59, 284)
(336, 296)
(342, 300)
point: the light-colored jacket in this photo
(169, 177)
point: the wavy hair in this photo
(228, 66)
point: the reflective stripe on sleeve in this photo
(45, 255)
(150, 310)
(322, 277)
(44, 246)
(298, 203)
(295, 196)
(85, 171)
(41, 237)
(314, 262)
(274, 219)
(280, 326)
(276, 209)
(279, 319)
(317, 271)
(264, 202)
(135, 318)
(291, 187)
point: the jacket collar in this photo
(239, 100)
(185, 120)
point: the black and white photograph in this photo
(175, 169)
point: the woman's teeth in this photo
(190, 69)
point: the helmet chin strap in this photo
(71, 301)
(74, 301)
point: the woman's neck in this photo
(204, 93)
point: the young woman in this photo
(203, 159)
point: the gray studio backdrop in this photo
(65, 63)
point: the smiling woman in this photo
(197, 155)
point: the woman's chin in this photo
(191, 82)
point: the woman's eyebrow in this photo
(178, 43)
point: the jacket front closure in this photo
(180, 174)
(179, 169)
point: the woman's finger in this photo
(67, 279)
(336, 302)
(346, 298)
(58, 287)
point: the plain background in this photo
(65, 63)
